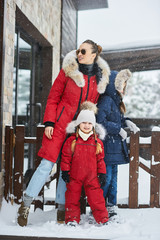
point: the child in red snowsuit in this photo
(83, 164)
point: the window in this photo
(27, 89)
(26, 110)
(21, 79)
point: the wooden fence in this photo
(14, 161)
(14, 169)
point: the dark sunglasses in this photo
(82, 51)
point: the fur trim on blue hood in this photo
(116, 81)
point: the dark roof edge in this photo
(131, 49)
(82, 5)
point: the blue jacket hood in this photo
(111, 89)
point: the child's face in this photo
(86, 127)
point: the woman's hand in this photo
(49, 132)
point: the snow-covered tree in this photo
(142, 99)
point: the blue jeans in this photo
(39, 178)
(61, 189)
(110, 189)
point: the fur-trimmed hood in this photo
(99, 129)
(71, 69)
(123, 76)
(116, 84)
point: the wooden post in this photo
(7, 149)
(133, 171)
(9, 145)
(18, 164)
(40, 130)
(12, 144)
(155, 169)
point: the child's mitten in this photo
(102, 179)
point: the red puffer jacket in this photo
(84, 165)
(69, 90)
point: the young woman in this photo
(84, 76)
(82, 164)
(111, 116)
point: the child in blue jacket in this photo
(111, 116)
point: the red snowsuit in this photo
(84, 166)
(70, 89)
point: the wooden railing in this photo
(14, 161)
(154, 169)
(14, 171)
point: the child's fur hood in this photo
(99, 129)
(123, 76)
(70, 67)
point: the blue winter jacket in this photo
(109, 115)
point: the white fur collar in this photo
(99, 129)
(70, 67)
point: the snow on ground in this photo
(134, 224)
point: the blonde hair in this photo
(121, 104)
(98, 145)
(122, 107)
(73, 144)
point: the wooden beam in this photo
(145, 168)
(7, 150)
(18, 164)
(32, 140)
(11, 237)
(90, 4)
(141, 59)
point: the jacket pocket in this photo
(114, 146)
(60, 114)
